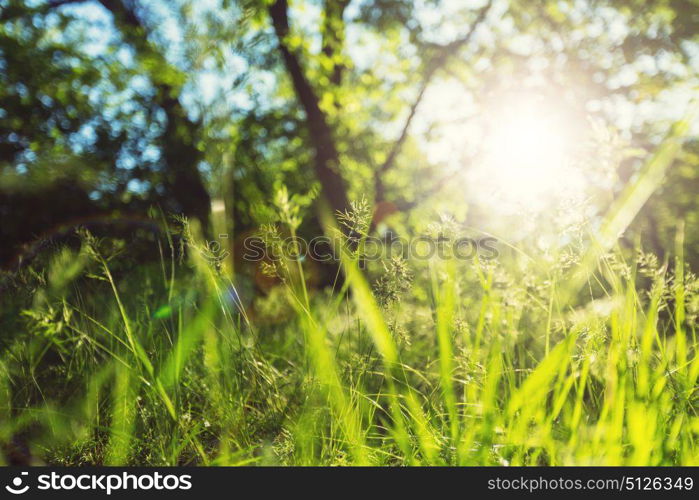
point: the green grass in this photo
(469, 367)
(585, 355)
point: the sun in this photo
(512, 152)
(527, 160)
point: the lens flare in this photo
(527, 160)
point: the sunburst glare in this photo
(527, 160)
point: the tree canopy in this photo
(110, 108)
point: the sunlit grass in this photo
(519, 361)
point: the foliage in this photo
(496, 369)
(143, 143)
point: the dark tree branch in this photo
(444, 52)
(326, 154)
(124, 14)
(379, 187)
(59, 3)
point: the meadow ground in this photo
(499, 361)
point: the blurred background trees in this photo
(109, 109)
(547, 124)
